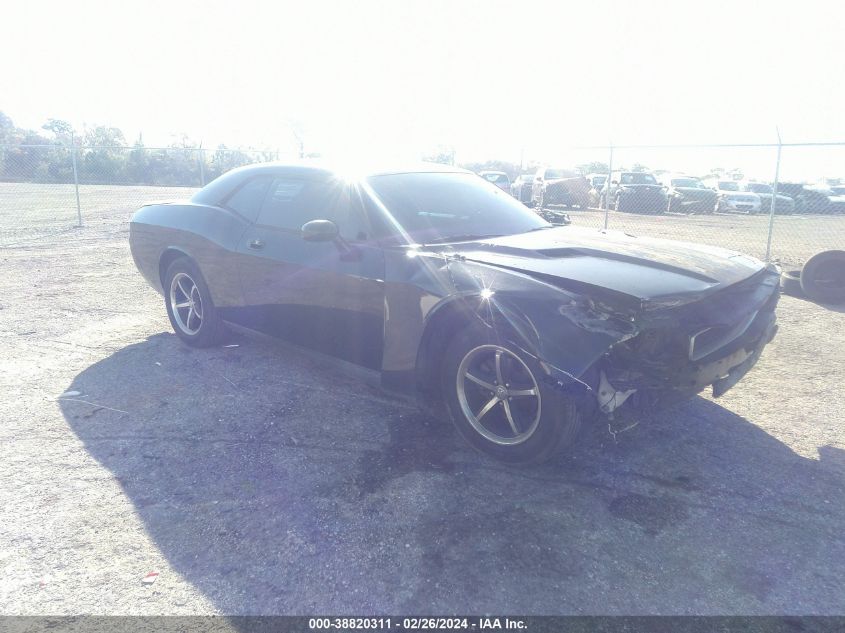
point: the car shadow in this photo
(275, 483)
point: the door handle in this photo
(256, 245)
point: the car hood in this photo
(693, 190)
(739, 195)
(768, 196)
(648, 269)
(566, 181)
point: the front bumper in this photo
(723, 373)
(671, 363)
(693, 205)
(644, 200)
(740, 206)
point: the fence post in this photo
(774, 201)
(75, 179)
(201, 158)
(607, 185)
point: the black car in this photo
(688, 194)
(635, 191)
(560, 187)
(455, 292)
(806, 199)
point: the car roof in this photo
(360, 170)
(311, 169)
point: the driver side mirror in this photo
(614, 182)
(319, 231)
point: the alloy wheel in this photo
(498, 395)
(186, 303)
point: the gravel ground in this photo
(258, 479)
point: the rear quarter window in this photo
(247, 199)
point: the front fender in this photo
(563, 330)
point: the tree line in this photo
(103, 156)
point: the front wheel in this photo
(617, 203)
(192, 313)
(499, 402)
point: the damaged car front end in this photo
(623, 348)
(679, 351)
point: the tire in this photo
(191, 311)
(670, 208)
(790, 283)
(540, 423)
(823, 277)
(617, 203)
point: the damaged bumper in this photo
(668, 365)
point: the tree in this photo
(104, 159)
(443, 155)
(7, 128)
(594, 167)
(62, 130)
(511, 169)
(639, 167)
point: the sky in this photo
(494, 80)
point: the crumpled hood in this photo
(640, 267)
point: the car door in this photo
(326, 295)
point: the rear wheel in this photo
(192, 313)
(499, 403)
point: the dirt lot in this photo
(258, 479)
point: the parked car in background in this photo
(807, 199)
(498, 178)
(835, 196)
(514, 329)
(635, 191)
(596, 182)
(553, 186)
(784, 204)
(730, 198)
(687, 194)
(521, 188)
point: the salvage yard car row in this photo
(643, 192)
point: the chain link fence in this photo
(46, 189)
(719, 195)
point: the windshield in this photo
(637, 178)
(599, 180)
(692, 183)
(496, 178)
(728, 185)
(758, 187)
(554, 174)
(439, 206)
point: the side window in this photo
(292, 202)
(247, 198)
